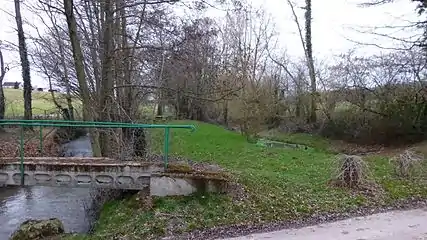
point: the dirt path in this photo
(395, 225)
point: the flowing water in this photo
(67, 204)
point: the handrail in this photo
(129, 125)
(69, 123)
(82, 124)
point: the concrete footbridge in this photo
(78, 172)
(98, 172)
(90, 172)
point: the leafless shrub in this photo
(406, 163)
(351, 171)
(255, 109)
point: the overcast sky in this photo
(333, 24)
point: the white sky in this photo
(333, 21)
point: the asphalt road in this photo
(395, 225)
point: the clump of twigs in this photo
(351, 171)
(406, 163)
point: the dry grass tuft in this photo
(407, 163)
(351, 171)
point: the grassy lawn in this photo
(42, 102)
(282, 184)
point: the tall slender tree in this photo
(25, 64)
(307, 45)
(310, 61)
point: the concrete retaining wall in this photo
(170, 186)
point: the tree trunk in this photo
(106, 93)
(2, 74)
(127, 68)
(25, 64)
(159, 108)
(68, 114)
(310, 62)
(94, 22)
(160, 100)
(80, 72)
(225, 112)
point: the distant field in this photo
(43, 105)
(42, 102)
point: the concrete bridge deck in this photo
(78, 172)
(91, 172)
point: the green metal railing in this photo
(84, 124)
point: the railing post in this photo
(41, 139)
(166, 147)
(21, 154)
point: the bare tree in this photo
(25, 64)
(51, 57)
(390, 32)
(122, 53)
(306, 43)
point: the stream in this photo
(18, 204)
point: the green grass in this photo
(282, 184)
(41, 102)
